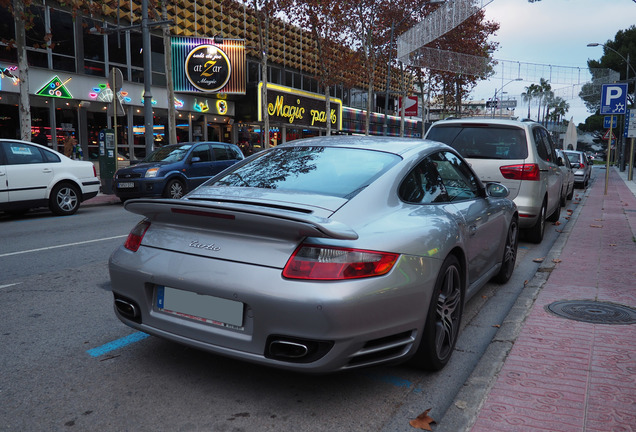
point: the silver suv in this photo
(518, 154)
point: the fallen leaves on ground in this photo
(423, 421)
(612, 244)
(557, 223)
(556, 260)
(538, 260)
(596, 226)
(497, 326)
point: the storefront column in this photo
(283, 132)
(82, 130)
(53, 124)
(130, 135)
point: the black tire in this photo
(510, 254)
(555, 215)
(64, 199)
(175, 189)
(563, 199)
(535, 234)
(571, 194)
(443, 318)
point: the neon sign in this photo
(55, 88)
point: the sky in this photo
(551, 33)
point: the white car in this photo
(518, 154)
(32, 175)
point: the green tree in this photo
(625, 44)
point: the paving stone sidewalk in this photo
(568, 375)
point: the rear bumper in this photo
(365, 322)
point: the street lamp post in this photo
(494, 109)
(631, 152)
(147, 63)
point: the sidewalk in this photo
(572, 367)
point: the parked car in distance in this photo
(567, 191)
(581, 165)
(517, 154)
(33, 175)
(173, 170)
(319, 255)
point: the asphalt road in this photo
(68, 364)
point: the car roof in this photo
(486, 121)
(399, 146)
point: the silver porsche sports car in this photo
(319, 255)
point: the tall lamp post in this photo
(626, 60)
(494, 109)
(388, 71)
(147, 63)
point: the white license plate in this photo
(126, 185)
(208, 309)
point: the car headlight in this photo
(152, 172)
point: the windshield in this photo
(574, 157)
(482, 142)
(336, 171)
(170, 153)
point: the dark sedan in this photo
(172, 171)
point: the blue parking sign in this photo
(614, 99)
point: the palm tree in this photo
(542, 91)
(528, 95)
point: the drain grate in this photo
(594, 312)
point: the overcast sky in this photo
(552, 32)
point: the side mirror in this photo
(560, 161)
(497, 190)
(195, 159)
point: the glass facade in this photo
(72, 47)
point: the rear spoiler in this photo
(243, 217)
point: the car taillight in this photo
(94, 171)
(136, 235)
(521, 172)
(334, 263)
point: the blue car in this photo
(172, 171)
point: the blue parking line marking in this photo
(116, 344)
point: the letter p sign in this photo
(614, 99)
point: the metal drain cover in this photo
(593, 312)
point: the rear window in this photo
(482, 142)
(574, 157)
(335, 171)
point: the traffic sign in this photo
(606, 122)
(607, 134)
(630, 120)
(614, 98)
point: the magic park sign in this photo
(203, 65)
(294, 107)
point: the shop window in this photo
(35, 39)
(117, 48)
(289, 79)
(137, 75)
(62, 31)
(253, 72)
(136, 51)
(7, 33)
(274, 75)
(93, 49)
(157, 57)
(38, 59)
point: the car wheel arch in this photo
(66, 181)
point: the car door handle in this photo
(47, 170)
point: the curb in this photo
(463, 412)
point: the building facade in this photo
(70, 93)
